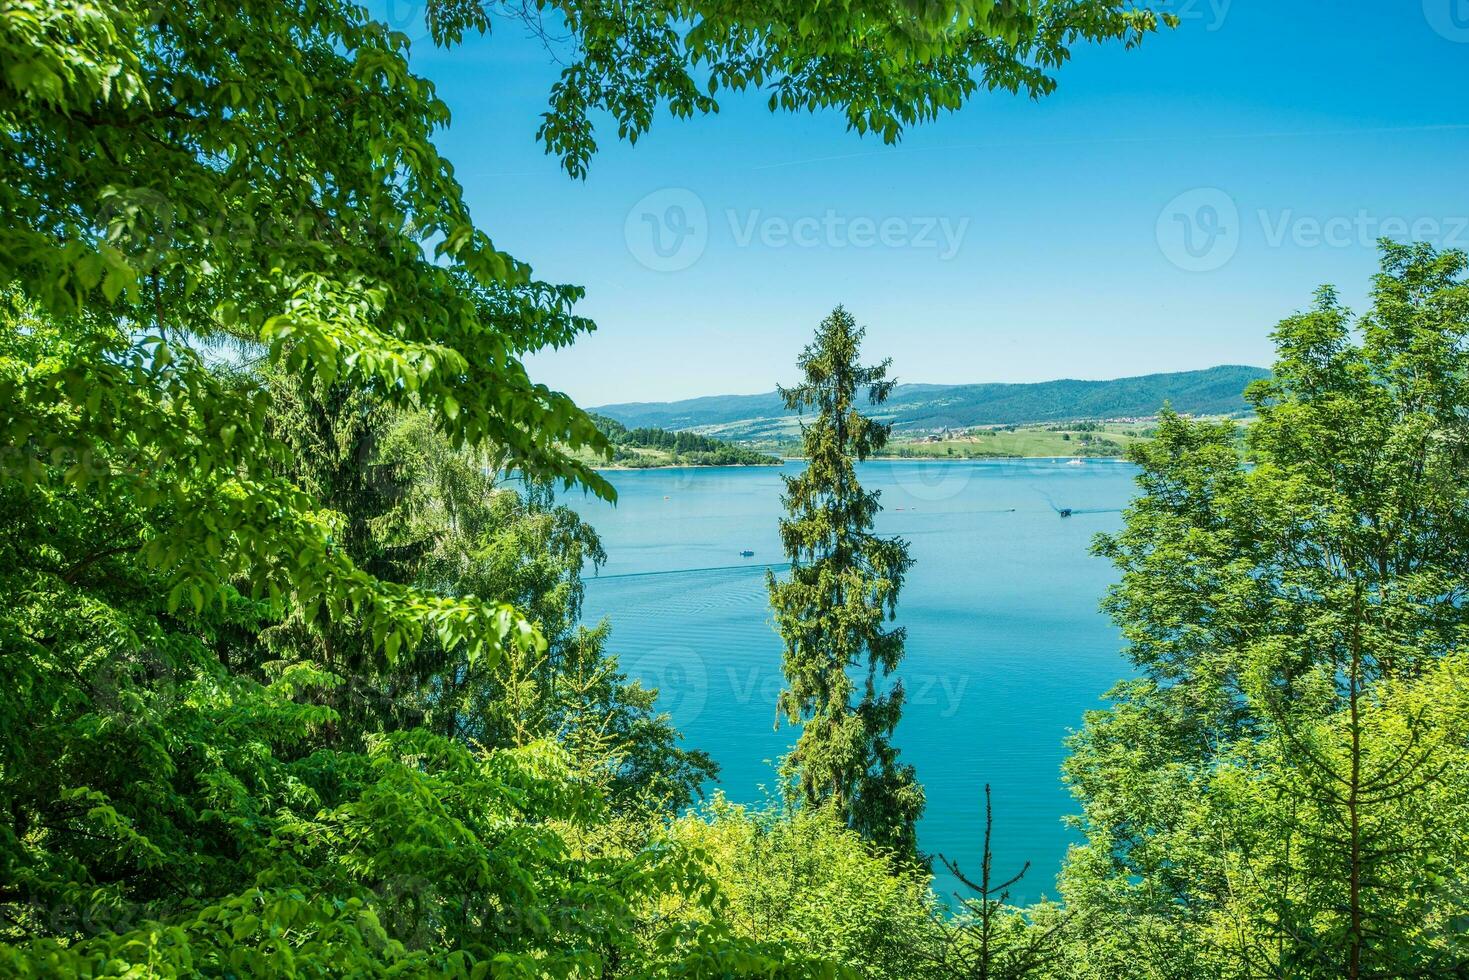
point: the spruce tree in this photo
(833, 609)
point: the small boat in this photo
(1075, 462)
(747, 554)
(1064, 511)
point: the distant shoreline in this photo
(870, 459)
(991, 459)
(689, 466)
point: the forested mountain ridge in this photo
(647, 447)
(917, 407)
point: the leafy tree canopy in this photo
(884, 65)
(1277, 793)
(229, 243)
(184, 171)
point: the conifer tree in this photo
(832, 610)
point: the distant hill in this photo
(648, 447)
(920, 407)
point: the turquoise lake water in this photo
(1006, 647)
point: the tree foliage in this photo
(190, 791)
(1278, 793)
(843, 587)
(804, 879)
(988, 938)
(883, 65)
(293, 689)
(179, 171)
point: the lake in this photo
(1006, 647)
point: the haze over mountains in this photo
(925, 407)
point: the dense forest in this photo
(297, 678)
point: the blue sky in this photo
(1162, 211)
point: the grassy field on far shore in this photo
(1086, 440)
(1095, 440)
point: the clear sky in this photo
(1162, 211)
